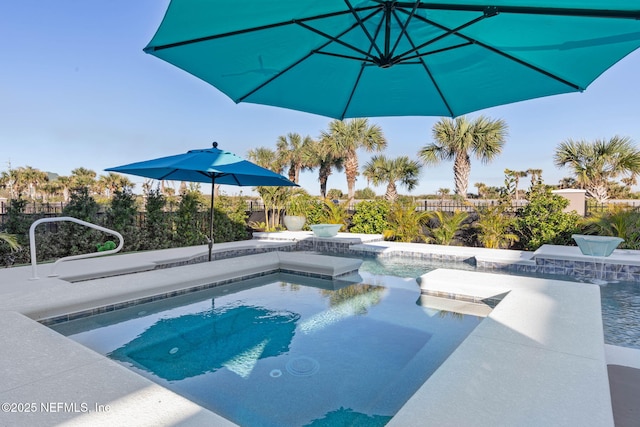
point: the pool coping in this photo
(489, 379)
(35, 377)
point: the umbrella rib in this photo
(164, 177)
(447, 33)
(253, 29)
(355, 85)
(362, 65)
(361, 24)
(304, 58)
(433, 80)
(339, 55)
(432, 52)
(506, 55)
(335, 39)
(403, 26)
(531, 10)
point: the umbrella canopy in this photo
(207, 165)
(365, 58)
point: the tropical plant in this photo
(11, 240)
(405, 223)
(122, 210)
(443, 193)
(495, 227)
(291, 152)
(188, 221)
(113, 182)
(298, 203)
(10, 179)
(542, 220)
(365, 194)
(83, 177)
(156, 230)
(318, 153)
(448, 226)
(335, 213)
(618, 222)
(230, 219)
(382, 170)
(370, 217)
(272, 197)
(456, 139)
(596, 163)
(33, 178)
(335, 194)
(535, 174)
(344, 138)
(515, 175)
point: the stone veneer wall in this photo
(595, 269)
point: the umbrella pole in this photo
(213, 186)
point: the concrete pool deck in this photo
(538, 358)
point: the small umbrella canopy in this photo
(207, 165)
(193, 344)
(365, 58)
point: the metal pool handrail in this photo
(32, 242)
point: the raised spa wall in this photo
(621, 265)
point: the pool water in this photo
(621, 314)
(285, 350)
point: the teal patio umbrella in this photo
(210, 165)
(365, 58)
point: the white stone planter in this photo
(294, 222)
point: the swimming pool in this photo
(620, 301)
(285, 350)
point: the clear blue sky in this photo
(77, 90)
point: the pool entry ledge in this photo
(537, 359)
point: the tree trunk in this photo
(598, 192)
(461, 171)
(351, 170)
(392, 193)
(323, 176)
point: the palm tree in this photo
(568, 182)
(596, 163)
(33, 178)
(345, 138)
(291, 152)
(112, 182)
(65, 183)
(443, 193)
(318, 153)
(536, 175)
(272, 197)
(380, 170)
(83, 177)
(482, 189)
(10, 179)
(516, 175)
(456, 139)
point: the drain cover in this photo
(302, 366)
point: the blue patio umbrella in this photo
(365, 58)
(210, 165)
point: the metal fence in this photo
(44, 210)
